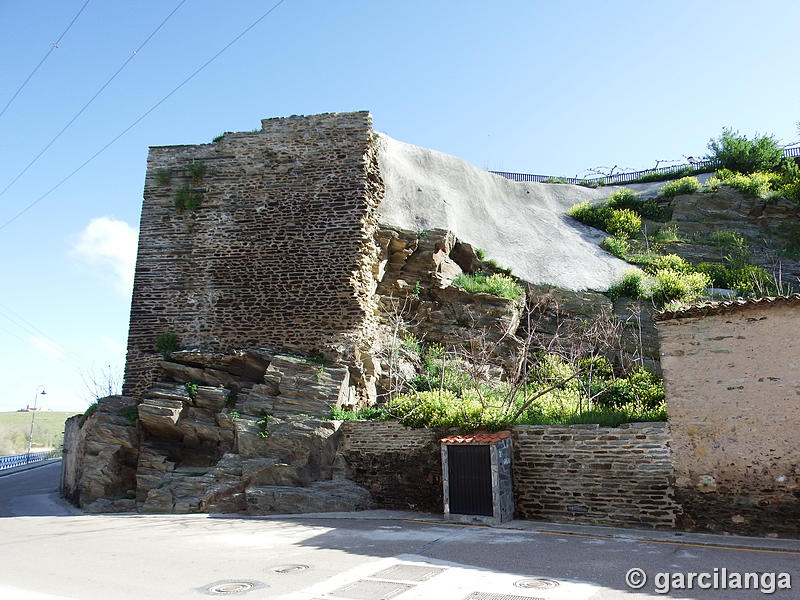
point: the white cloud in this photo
(47, 348)
(109, 245)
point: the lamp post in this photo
(33, 418)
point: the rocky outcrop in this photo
(245, 432)
(768, 227)
(100, 456)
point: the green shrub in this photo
(737, 153)
(685, 185)
(554, 180)
(166, 343)
(623, 223)
(631, 285)
(717, 273)
(163, 176)
(191, 389)
(640, 388)
(712, 184)
(756, 184)
(787, 182)
(410, 343)
(616, 246)
(672, 262)
(497, 284)
(369, 413)
(594, 215)
(652, 211)
(218, 138)
(624, 198)
(480, 254)
(666, 235)
(675, 285)
(197, 170)
(187, 199)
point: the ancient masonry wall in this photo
(576, 474)
(260, 239)
(732, 383)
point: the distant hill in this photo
(48, 430)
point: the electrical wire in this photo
(53, 46)
(92, 99)
(142, 117)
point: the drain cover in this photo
(536, 583)
(371, 590)
(227, 588)
(490, 596)
(289, 568)
(408, 573)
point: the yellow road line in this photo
(614, 539)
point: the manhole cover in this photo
(408, 573)
(227, 588)
(536, 583)
(289, 568)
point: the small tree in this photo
(737, 153)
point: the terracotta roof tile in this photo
(479, 437)
(713, 308)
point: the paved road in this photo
(361, 557)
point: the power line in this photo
(142, 117)
(53, 46)
(92, 99)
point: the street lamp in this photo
(33, 418)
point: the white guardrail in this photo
(19, 460)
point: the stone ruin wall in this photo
(732, 382)
(279, 253)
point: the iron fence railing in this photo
(18, 460)
(696, 166)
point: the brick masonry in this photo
(732, 382)
(279, 252)
(593, 475)
(401, 467)
(574, 474)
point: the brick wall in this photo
(279, 252)
(401, 467)
(579, 474)
(594, 475)
(732, 382)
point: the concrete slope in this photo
(520, 225)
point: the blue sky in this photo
(541, 87)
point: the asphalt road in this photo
(49, 552)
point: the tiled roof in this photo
(714, 308)
(479, 437)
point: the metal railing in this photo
(695, 166)
(19, 460)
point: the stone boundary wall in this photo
(401, 467)
(592, 475)
(732, 383)
(278, 251)
(581, 474)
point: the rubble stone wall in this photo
(591, 475)
(260, 239)
(577, 474)
(732, 382)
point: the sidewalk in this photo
(655, 536)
